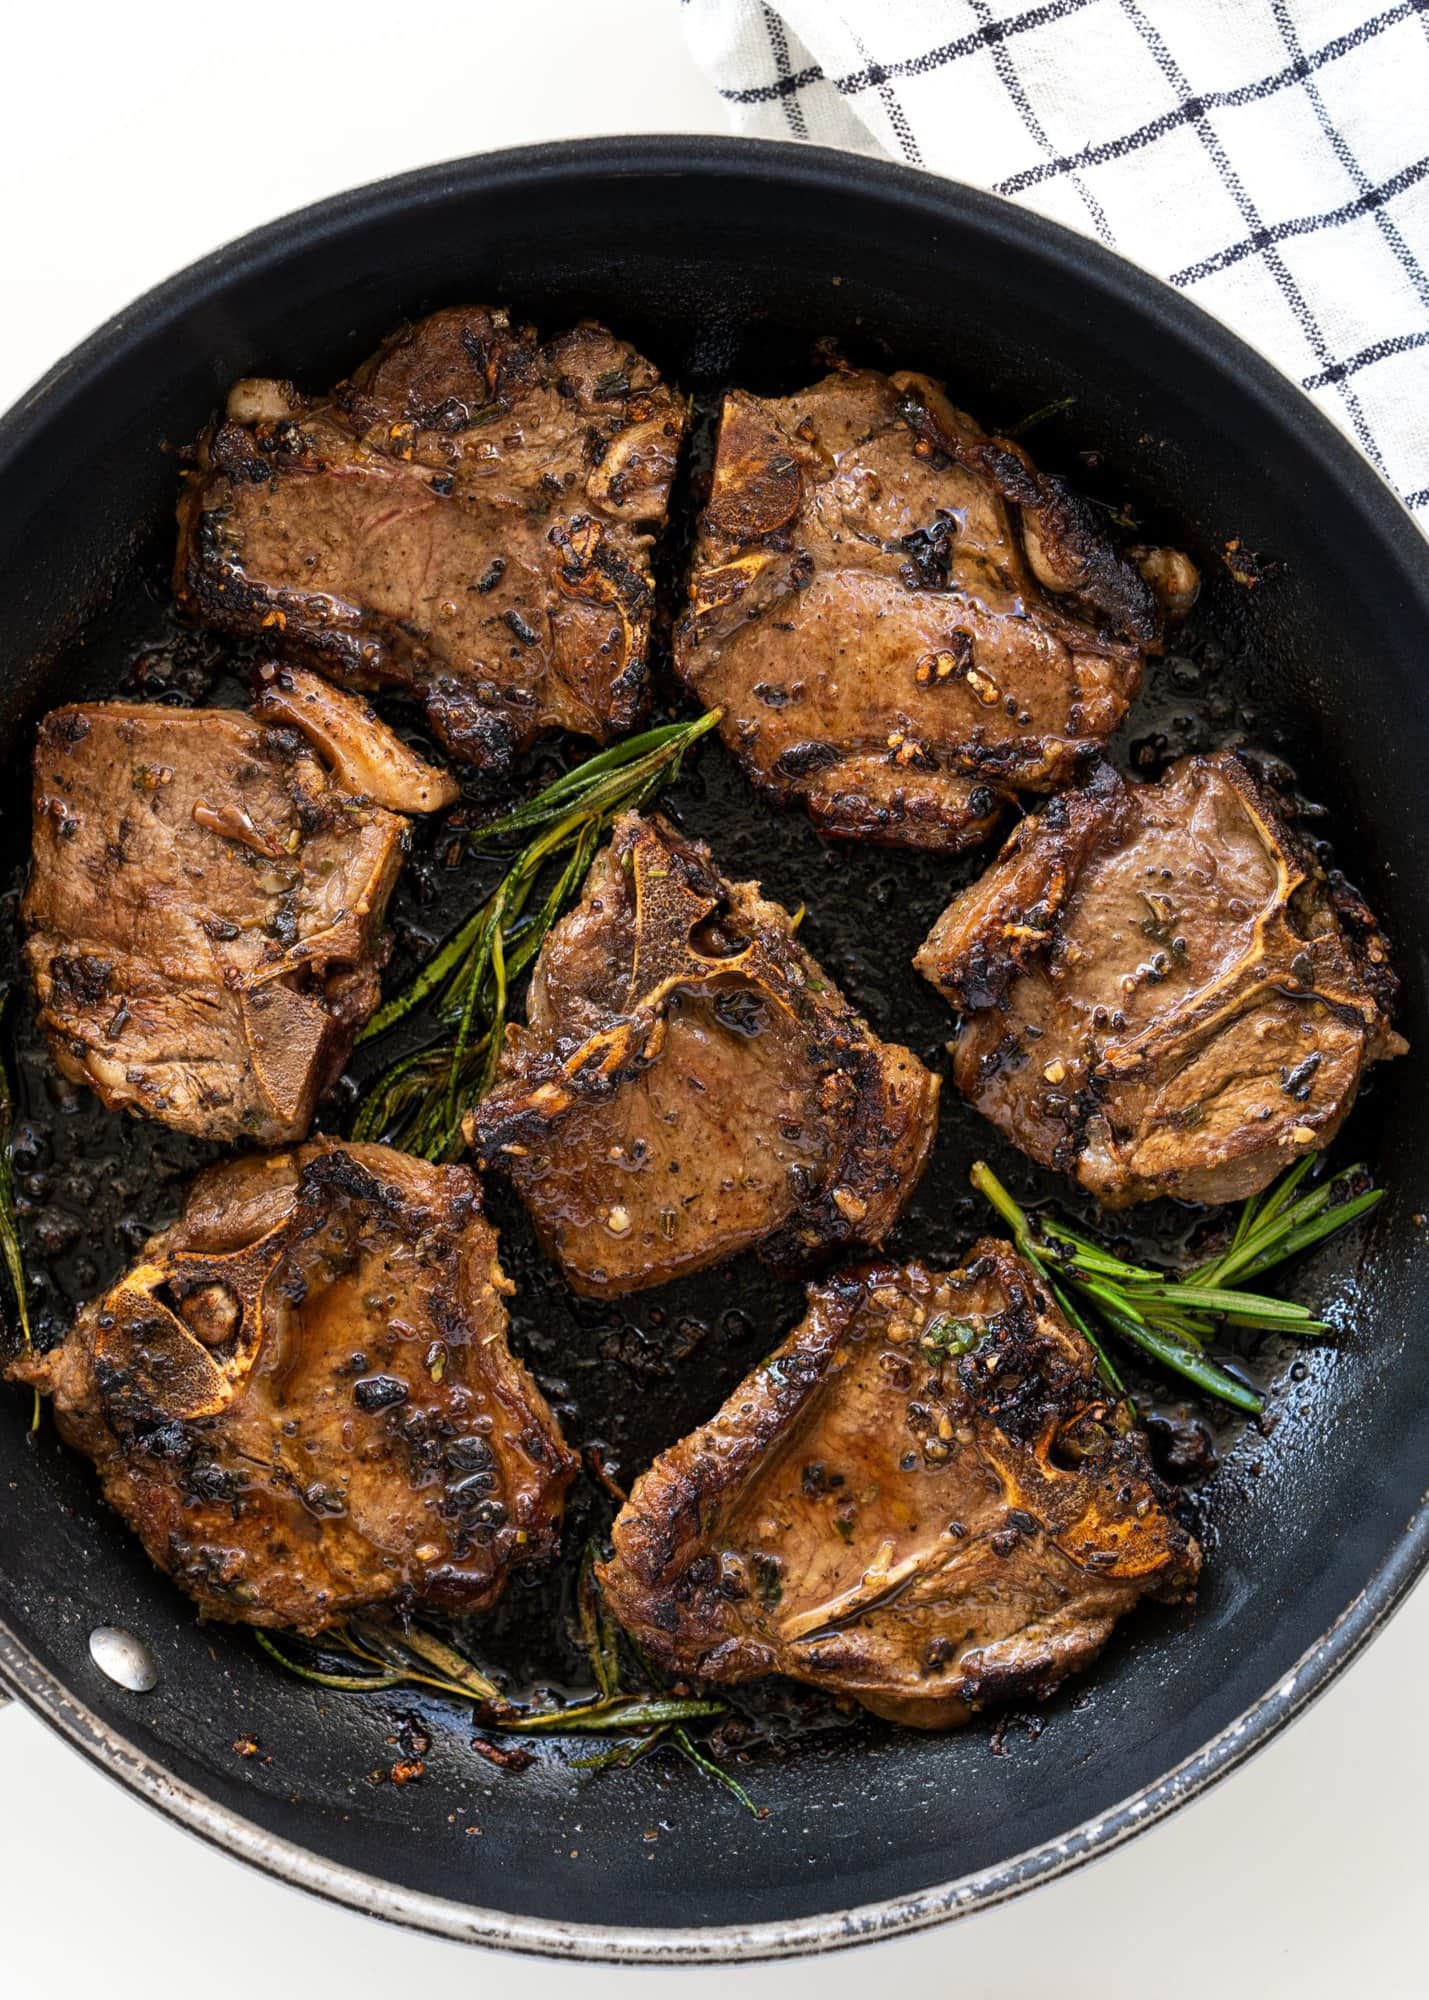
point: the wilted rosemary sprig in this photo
(377, 1657)
(1171, 1317)
(601, 1637)
(418, 1102)
(381, 1658)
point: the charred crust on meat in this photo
(689, 1084)
(1159, 991)
(1107, 587)
(799, 1533)
(959, 627)
(206, 901)
(801, 759)
(295, 1457)
(506, 620)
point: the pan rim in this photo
(723, 1944)
(1344, 470)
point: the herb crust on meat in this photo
(469, 517)
(1160, 991)
(301, 1399)
(689, 1083)
(904, 621)
(924, 1499)
(206, 899)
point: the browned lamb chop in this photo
(1160, 991)
(904, 621)
(301, 1398)
(206, 898)
(923, 1499)
(469, 517)
(689, 1084)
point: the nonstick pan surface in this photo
(731, 261)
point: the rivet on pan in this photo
(124, 1658)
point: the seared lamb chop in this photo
(301, 1398)
(1161, 993)
(206, 898)
(470, 516)
(690, 1084)
(923, 1499)
(904, 621)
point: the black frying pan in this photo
(727, 261)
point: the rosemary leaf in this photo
(1171, 1317)
(451, 1666)
(1275, 1228)
(711, 1769)
(419, 1100)
(383, 1657)
(1090, 1257)
(1276, 1197)
(598, 1631)
(1297, 1329)
(635, 1711)
(991, 1189)
(622, 1755)
(1271, 1312)
(433, 974)
(1329, 1220)
(347, 1683)
(1040, 416)
(1187, 1362)
(646, 751)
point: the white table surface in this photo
(135, 138)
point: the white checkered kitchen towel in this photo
(1270, 157)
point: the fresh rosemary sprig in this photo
(1171, 1317)
(418, 1102)
(9, 1224)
